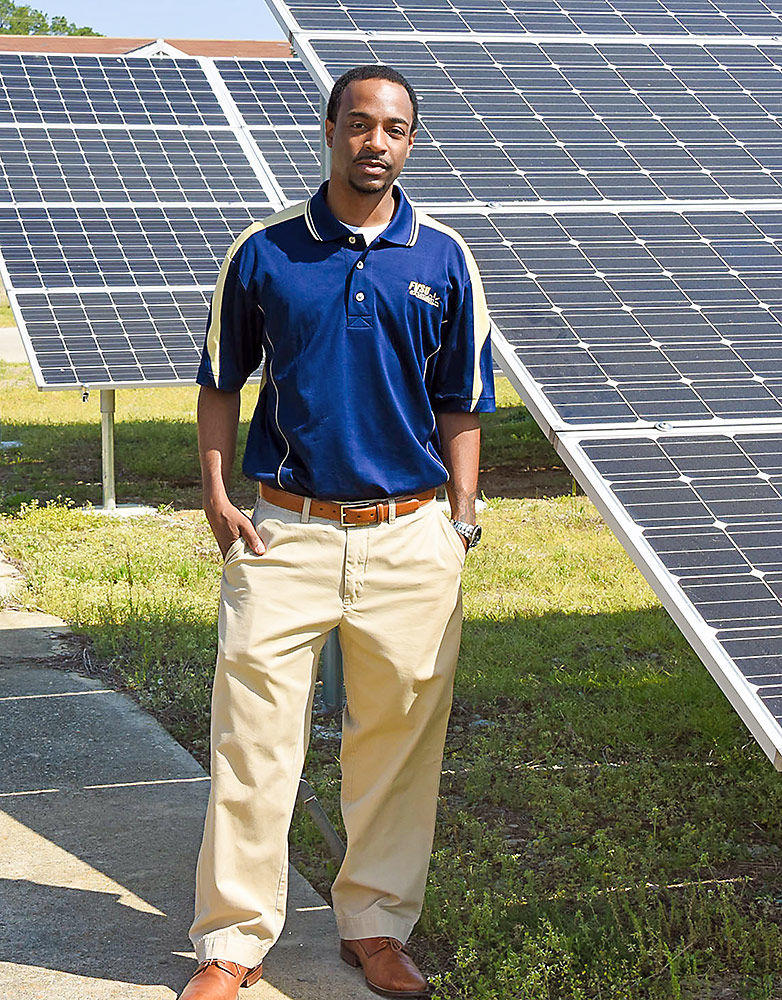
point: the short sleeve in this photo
(463, 376)
(233, 346)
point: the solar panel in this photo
(637, 316)
(114, 338)
(105, 90)
(621, 17)
(272, 92)
(122, 183)
(138, 165)
(636, 295)
(134, 246)
(504, 121)
(702, 516)
(293, 156)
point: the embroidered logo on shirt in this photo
(424, 293)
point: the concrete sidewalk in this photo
(11, 346)
(101, 814)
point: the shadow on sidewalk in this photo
(89, 933)
(101, 822)
(101, 815)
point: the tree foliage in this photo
(18, 19)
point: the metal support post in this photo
(309, 800)
(107, 406)
(110, 505)
(331, 672)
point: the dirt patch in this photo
(508, 482)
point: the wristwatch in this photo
(472, 532)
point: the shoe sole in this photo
(355, 962)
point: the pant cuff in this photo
(231, 948)
(374, 922)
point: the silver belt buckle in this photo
(353, 506)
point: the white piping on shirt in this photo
(277, 413)
(434, 454)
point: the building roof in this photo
(98, 45)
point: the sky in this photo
(247, 19)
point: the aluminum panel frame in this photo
(749, 707)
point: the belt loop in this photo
(305, 510)
(391, 510)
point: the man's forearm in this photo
(460, 443)
(218, 420)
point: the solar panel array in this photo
(616, 168)
(511, 121)
(608, 17)
(621, 192)
(123, 181)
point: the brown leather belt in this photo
(351, 513)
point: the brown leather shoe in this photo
(388, 969)
(217, 979)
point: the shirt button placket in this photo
(358, 308)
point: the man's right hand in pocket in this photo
(228, 523)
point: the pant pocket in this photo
(234, 548)
(453, 537)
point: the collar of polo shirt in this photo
(324, 225)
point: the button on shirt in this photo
(360, 345)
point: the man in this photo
(371, 323)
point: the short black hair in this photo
(373, 71)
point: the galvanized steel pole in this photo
(107, 405)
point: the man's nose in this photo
(376, 138)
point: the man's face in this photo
(371, 138)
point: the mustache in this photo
(372, 159)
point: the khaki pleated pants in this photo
(393, 590)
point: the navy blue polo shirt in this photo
(360, 345)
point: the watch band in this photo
(472, 532)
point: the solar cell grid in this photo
(293, 156)
(111, 338)
(140, 165)
(105, 90)
(710, 507)
(79, 136)
(503, 122)
(134, 246)
(639, 316)
(694, 17)
(272, 92)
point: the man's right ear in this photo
(328, 128)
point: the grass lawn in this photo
(607, 828)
